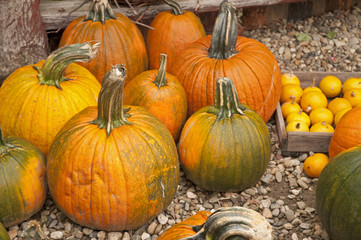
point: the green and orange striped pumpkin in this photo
(3, 233)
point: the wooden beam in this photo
(55, 13)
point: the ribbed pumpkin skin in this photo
(338, 195)
(347, 133)
(113, 183)
(225, 155)
(185, 228)
(254, 71)
(120, 42)
(168, 103)
(36, 112)
(3, 233)
(171, 34)
(22, 180)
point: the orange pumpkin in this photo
(113, 167)
(347, 134)
(120, 40)
(162, 94)
(172, 31)
(37, 100)
(22, 180)
(249, 63)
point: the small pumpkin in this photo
(224, 223)
(120, 40)
(113, 167)
(249, 63)
(161, 94)
(315, 163)
(3, 233)
(290, 78)
(338, 195)
(36, 100)
(226, 146)
(172, 32)
(22, 180)
(351, 83)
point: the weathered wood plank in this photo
(54, 13)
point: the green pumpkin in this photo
(338, 196)
(225, 147)
(3, 233)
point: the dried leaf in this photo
(331, 35)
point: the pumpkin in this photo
(120, 40)
(347, 134)
(22, 180)
(224, 223)
(338, 195)
(113, 167)
(226, 146)
(162, 94)
(172, 31)
(36, 100)
(249, 63)
(3, 233)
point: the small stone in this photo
(267, 213)
(276, 212)
(293, 182)
(294, 236)
(302, 183)
(56, 235)
(151, 228)
(305, 225)
(162, 219)
(13, 233)
(290, 215)
(191, 195)
(266, 178)
(145, 236)
(87, 231)
(67, 226)
(114, 235)
(207, 205)
(301, 205)
(126, 236)
(250, 191)
(278, 177)
(101, 234)
(288, 226)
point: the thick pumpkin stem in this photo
(225, 33)
(53, 69)
(160, 80)
(176, 8)
(111, 113)
(100, 11)
(226, 99)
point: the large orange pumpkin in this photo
(22, 180)
(172, 31)
(113, 167)
(347, 133)
(162, 94)
(120, 40)
(36, 100)
(249, 63)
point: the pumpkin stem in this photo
(176, 8)
(2, 142)
(160, 80)
(225, 33)
(52, 71)
(226, 99)
(111, 113)
(100, 11)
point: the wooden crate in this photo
(306, 141)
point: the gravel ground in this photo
(284, 195)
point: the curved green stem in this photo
(100, 11)
(160, 80)
(225, 33)
(226, 99)
(52, 71)
(176, 8)
(2, 142)
(111, 113)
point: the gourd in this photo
(225, 223)
(172, 32)
(226, 146)
(36, 100)
(120, 40)
(338, 195)
(22, 180)
(113, 167)
(249, 63)
(162, 94)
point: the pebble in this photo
(56, 235)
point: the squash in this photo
(338, 195)
(249, 63)
(224, 223)
(36, 100)
(113, 167)
(225, 147)
(3, 233)
(172, 32)
(22, 180)
(120, 40)
(162, 94)
(347, 134)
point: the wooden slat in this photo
(54, 13)
(308, 141)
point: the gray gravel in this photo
(284, 195)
